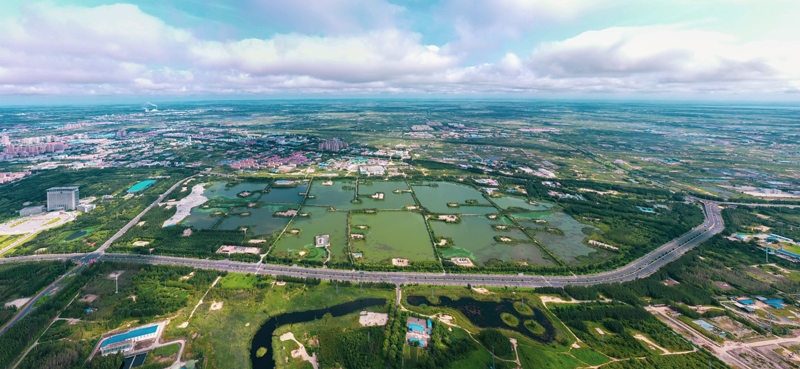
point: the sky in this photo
(660, 49)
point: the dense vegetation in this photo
(18, 336)
(618, 321)
(24, 280)
(110, 215)
(359, 348)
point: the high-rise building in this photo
(62, 198)
(333, 145)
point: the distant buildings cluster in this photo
(333, 145)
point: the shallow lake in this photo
(333, 195)
(392, 234)
(201, 218)
(289, 195)
(319, 222)
(567, 247)
(221, 189)
(260, 221)
(391, 200)
(506, 202)
(435, 199)
(474, 238)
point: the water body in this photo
(221, 189)
(76, 235)
(487, 314)
(285, 194)
(568, 247)
(392, 234)
(506, 202)
(263, 337)
(435, 199)
(319, 222)
(391, 200)
(201, 218)
(260, 221)
(474, 238)
(333, 195)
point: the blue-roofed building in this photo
(125, 341)
(419, 331)
(788, 255)
(776, 303)
(746, 302)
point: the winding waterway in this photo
(263, 337)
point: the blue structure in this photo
(141, 186)
(416, 328)
(776, 303)
(789, 254)
(747, 302)
(130, 334)
(420, 342)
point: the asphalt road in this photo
(640, 268)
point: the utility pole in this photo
(766, 255)
(116, 283)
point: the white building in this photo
(85, 208)
(62, 198)
(30, 210)
(323, 240)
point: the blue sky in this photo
(713, 49)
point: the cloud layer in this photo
(348, 47)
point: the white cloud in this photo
(326, 16)
(119, 49)
(667, 55)
(482, 24)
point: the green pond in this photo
(201, 218)
(289, 195)
(221, 189)
(506, 202)
(567, 247)
(317, 223)
(392, 234)
(333, 195)
(435, 199)
(260, 220)
(77, 235)
(391, 200)
(474, 238)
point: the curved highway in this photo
(642, 267)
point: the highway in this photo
(640, 268)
